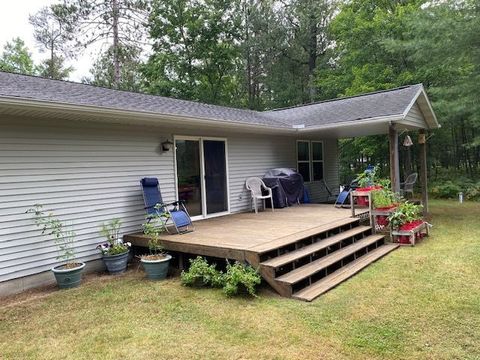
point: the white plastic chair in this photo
(408, 185)
(255, 185)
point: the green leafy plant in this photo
(384, 183)
(384, 197)
(114, 245)
(473, 192)
(202, 274)
(64, 237)
(240, 279)
(367, 178)
(153, 228)
(406, 212)
(446, 190)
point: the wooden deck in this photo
(301, 251)
(231, 236)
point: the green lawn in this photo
(416, 303)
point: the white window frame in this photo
(200, 139)
(310, 160)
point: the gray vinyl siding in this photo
(414, 117)
(253, 156)
(89, 173)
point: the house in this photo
(81, 150)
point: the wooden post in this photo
(394, 159)
(423, 168)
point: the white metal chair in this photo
(255, 185)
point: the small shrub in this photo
(202, 274)
(240, 279)
(473, 192)
(446, 190)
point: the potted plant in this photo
(114, 251)
(157, 261)
(68, 274)
(406, 217)
(366, 183)
(384, 200)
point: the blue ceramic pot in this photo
(116, 264)
(68, 278)
(156, 269)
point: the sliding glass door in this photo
(189, 187)
(202, 180)
(215, 176)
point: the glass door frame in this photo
(200, 139)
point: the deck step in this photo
(313, 267)
(292, 256)
(318, 288)
(290, 239)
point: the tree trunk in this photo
(116, 44)
(312, 57)
(50, 66)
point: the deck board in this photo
(232, 236)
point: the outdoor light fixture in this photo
(167, 145)
(407, 141)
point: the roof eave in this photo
(353, 123)
(426, 105)
(151, 117)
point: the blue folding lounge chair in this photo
(343, 198)
(177, 211)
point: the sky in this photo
(14, 22)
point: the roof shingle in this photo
(371, 105)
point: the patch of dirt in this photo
(47, 290)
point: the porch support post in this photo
(423, 168)
(394, 159)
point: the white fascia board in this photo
(354, 123)
(422, 92)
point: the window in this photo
(310, 160)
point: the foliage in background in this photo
(102, 72)
(195, 50)
(240, 279)
(118, 23)
(54, 35)
(201, 274)
(17, 58)
(64, 237)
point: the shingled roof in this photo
(55, 92)
(360, 107)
